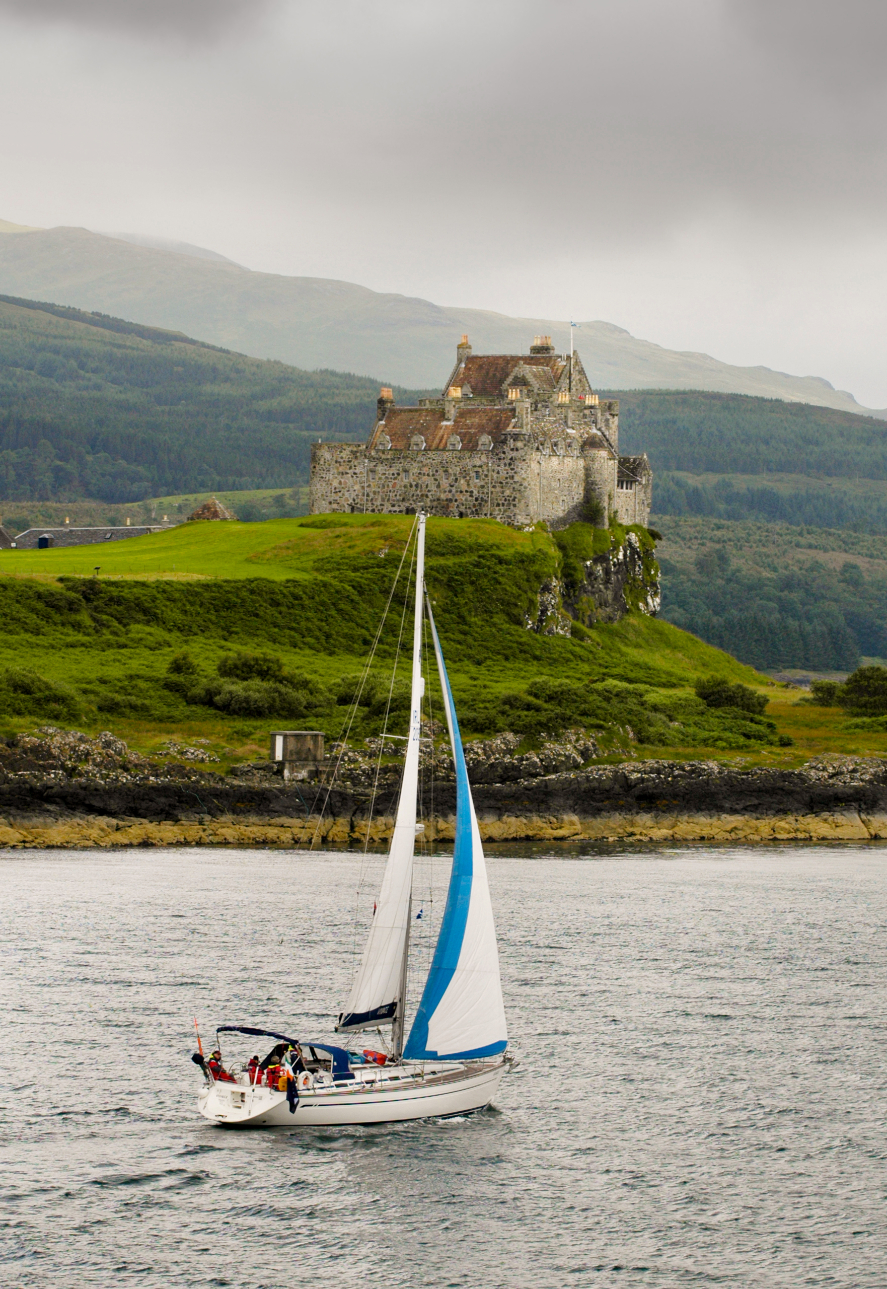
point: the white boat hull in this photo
(395, 1094)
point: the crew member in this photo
(217, 1070)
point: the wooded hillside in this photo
(93, 406)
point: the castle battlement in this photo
(519, 438)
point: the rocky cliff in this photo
(63, 789)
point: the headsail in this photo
(377, 993)
(461, 1013)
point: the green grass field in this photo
(307, 594)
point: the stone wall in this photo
(511, 481)
(545, 468)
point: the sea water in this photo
(700, 1098)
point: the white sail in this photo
(461, 1014)
(377, 993)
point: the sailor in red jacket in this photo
(217, 1070)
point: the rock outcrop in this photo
(64, 789)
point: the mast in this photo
(378, 993)
(417, 693)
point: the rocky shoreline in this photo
(62, 789)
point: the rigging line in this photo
(366, 842)
(355, 703)
(352, 712)
(433, 765)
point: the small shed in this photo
(44, 541)
(299, 752)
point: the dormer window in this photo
(383, 442)
(484, 443)
(454, 443)
(417, 443)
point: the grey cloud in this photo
(192, 20)
(829, 43)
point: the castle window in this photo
(484, 443)
(383, 442)
(477, 474)
(454, 443)
(417, 443)
(405, 474)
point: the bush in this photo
(715, 692)
(25, 693)
(865, 692)
(826, 693)
(258, 698)
(182, 664)
(251, 666)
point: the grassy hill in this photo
(316, 322)
(100, 408)
(227, 630)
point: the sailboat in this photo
(452, 1059)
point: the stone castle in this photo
(518, 438)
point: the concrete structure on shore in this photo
(519, 438)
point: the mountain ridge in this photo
(327, 323)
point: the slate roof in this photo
(632, 469)
(401, 423)
(487, 373)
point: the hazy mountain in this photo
(169, 244)
(318, 322)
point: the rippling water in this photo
(700, 1101)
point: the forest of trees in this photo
(707, 433)
(809, 615)
(92, 406)
(833, 508)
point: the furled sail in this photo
(461, 1013)
(377, 993)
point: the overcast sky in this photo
(710, 174)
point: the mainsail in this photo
(461, 1013)
(377, 995)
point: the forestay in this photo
(377, 993)
(461, 1014)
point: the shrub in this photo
(865, 692)
(182, 664)
(826, 693)
(716, 692)
(251, 666)
(256, 698)
(25, 693)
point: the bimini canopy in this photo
(341, 1063)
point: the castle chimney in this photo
(463, 350)
(542, 345)
(384, 402)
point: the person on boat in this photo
(294, 1060)
(275, 1056)
(217, 1069)
(253, 1070)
